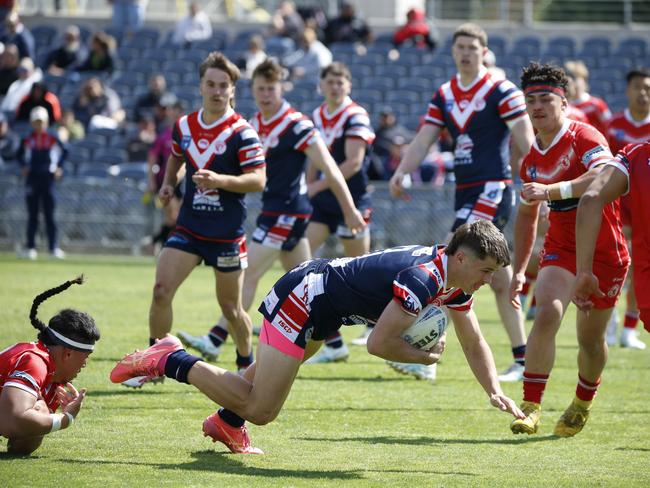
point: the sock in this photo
(534, 386)
(631, 320)
(218, 335)
(533, 303)
(152, 341)
(586, 391)
(519, 353)
(231, 418)
(178, 365)
(244, 362)
(335, 341)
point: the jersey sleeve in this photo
(306, 134)
(177, 139)
(592, 147)
(460, 302)
(512, 105)
(250, 153)
(414, 288)
(358, 126)
(434, 114)
(28, 374)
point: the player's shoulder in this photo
(505, 86)
(637, 150)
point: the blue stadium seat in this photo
(132, 171)
(110, 156)
(279, 46)
(44, 34)
(178, 65)
(402, 97)
(596, 46)
(93, 170)
(342, 47)
(416, 84)
(382, 83)
(369, 97)
(394, 71)
(360, 71)
(497, 45)
(561, 47)
(527, 46)
(633, 47)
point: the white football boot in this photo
(362, 340)
(203, 344)
(612, 326)
(515, 372)
(330, 355)
(630, 339)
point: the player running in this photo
(564, 159)
(386, 287)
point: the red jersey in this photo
(622, 130)
(576, 148)
(596, 111)
(28, 366)
(574, 113)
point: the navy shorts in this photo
(336, 223)
(279, 231)
(493, 201)
(224, 256)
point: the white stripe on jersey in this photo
(203, 158)
(461, 117)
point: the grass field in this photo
(350, 424)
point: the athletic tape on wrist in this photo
(56, 421)
(566, 190)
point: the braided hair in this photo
(72, 324)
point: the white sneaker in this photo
(515, 372)
(419, 371)
(139, 381)
(362, 340)
(612, 326)
(30, 254)
(57, 253)
(630, 338)
(330, 355)
(203, 344)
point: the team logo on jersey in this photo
(203, 144)
(532, 172)
(207, 200)
(272, 141)
(220, 147)
(463, 151)
(479, 104)
(613, 291)
(449, 105)
(565, 161)
(410, 305)
(619, 134)
(463, 104)
(185, 142)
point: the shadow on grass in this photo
(354, 379)
(421, 441)
(124, 391)
(641, 449)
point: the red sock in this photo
(534, 302)
(534, 386)
(631, 320)
(586, 390)
(525, 288)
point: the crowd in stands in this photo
(116, 86)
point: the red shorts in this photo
(610, 278)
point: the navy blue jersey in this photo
(326, 294)
(42, 154)
(348, 121)
(285, 137)
(228, 146)
(478, 118)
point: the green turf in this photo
(351, 424)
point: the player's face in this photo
(468, 54)
(69, 363)
(638, 93)
(475, 272)
(267, 94)
(335, 88)
(217, 89)
(546, 110)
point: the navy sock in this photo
(179, 364)
(231, 418)
(218, 335)
(152, 341)
(244, 362)
(519, 354)
(334, 341)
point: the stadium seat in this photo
(527, 46)
(178, 65)
(561, 47)
(403, 97)
(394, 71)
(497, 45)
(44, 34)
(381, 83)
(596, 46)
(132, 171)
(633, 47)
(93, 170)
(110, 156)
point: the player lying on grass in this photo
(388, 287)
(35, 376)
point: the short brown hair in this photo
(470, 29)
(336, 69)
(219, 61)
(483, 238)
(576, 69)
(269, 69)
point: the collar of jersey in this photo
(224, 117)
(482, 71)
(635, 123)
(347, 101)
(558, 136)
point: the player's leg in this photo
(629, 334)
(299, 254)
(24, 446)
(48, 212)
(317, 233)
(553, 292)
(32, 199)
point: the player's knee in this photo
(25, 446)
(262, 416)
(162, 292)
(231, 311)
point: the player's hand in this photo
(395, 184)
(586, 286)
(205, 179)
(436, 351)
(166, 193)
(516, 285)
(355, 221)
(70, 398)
(534, 192)
(506, 404)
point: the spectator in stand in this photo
(6, 6)
(253, 56)
(314, 17)
(138, 145)
(100, 57)
(148, 103)
(16, 33)
(417, 31)
(387, 130)
(128, 15)
(573, 112)
(287, 22)
(97, 106)
(19, 89)
(9, 142)
(594, 108)
(347, 27)
(70, 129)
(9, 60)
(194, 27)
(68, 56)
(39, 96)
(311, 57)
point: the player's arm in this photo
(561, 190)
(525, 232)
(385, 340)
(610, 184)
(25, 416)
(415, 154)
(247, 182)
(322, 160)
(480, 360)
(174, 164)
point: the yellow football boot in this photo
(573, 419)
(530, 424)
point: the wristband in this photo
(565, 190)
(70, 418)
(56, 422)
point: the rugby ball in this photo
(428, 327)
